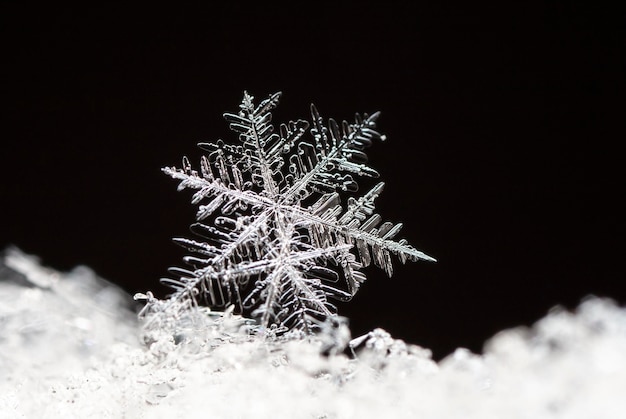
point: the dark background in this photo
(504, 159)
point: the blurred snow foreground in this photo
(71, 347)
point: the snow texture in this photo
(279, 243)
(70, 347)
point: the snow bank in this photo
(71, 347)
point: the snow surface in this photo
(71, 347)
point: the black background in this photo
(503, 158)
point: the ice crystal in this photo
(279, 243)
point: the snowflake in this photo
(278, 243)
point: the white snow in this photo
(71, 348)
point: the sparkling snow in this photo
(70, 347)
